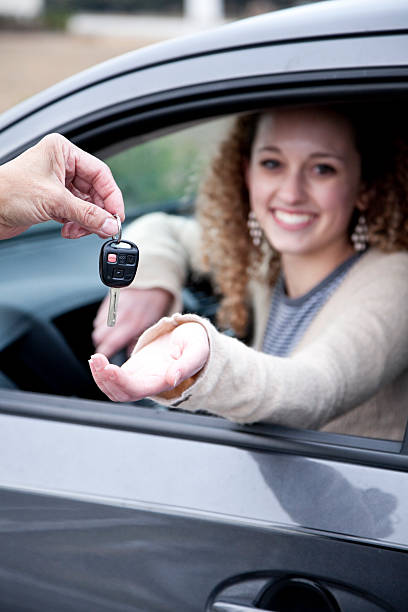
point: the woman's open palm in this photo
(157, 367)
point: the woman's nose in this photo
(292, 188)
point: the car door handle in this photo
(225, 606)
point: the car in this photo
(125, 507)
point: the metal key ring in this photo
(118, 236)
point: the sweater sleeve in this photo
(168, 247)
(364, 348)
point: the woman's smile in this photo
(292, 220)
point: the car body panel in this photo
(250, 487)
(137, 521)
(332, 55)
(70, 555)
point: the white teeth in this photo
(291, 218)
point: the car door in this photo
(109, 507)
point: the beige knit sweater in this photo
(348, 374)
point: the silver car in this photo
(120, 507)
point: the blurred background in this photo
(44, 41)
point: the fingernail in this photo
(176, 352)
(93, 364)
(66, 233)
(110, 227)
(177, 378)
(79, 233)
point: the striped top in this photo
(290, 317)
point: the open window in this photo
(157, 153)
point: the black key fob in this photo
(118, 263)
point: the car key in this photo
(118, 263)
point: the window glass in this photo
(166, 169)
(62, 293)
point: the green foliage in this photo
(155, 172)
(55, 19)
(166, 169)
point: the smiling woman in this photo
(304, 182)
(304, 241)
(339, 162)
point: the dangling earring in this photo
(254, 229)
(359, 237)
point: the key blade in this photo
(113, 306)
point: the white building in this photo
(197, 15)
(210, 11)
(21, 9)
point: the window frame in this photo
(144, 118)
(156, 420)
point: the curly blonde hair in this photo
(223, 208)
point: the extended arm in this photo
(362, 349)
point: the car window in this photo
(168, 169)
(56, 300)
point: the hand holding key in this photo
(57, 180)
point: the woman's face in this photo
(303, 180)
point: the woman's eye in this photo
(324, 169)
(271, 164)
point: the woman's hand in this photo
(138, 309)
(57, 180)
(157, 367)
